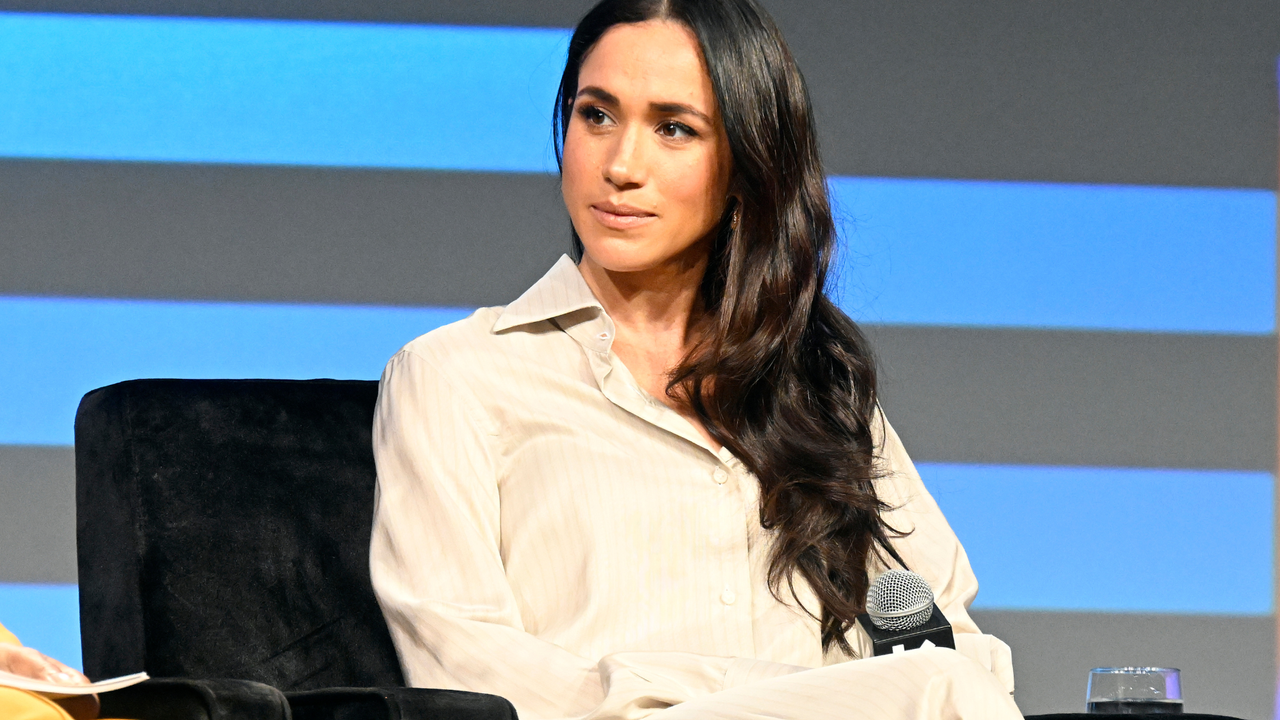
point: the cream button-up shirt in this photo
(549, 532)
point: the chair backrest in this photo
(223, 531)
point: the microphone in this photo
(901, 614)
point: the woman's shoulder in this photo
(449, 346)
(476, 348)
(899, 482)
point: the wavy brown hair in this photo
(780, 375)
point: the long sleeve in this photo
(932, 549)
(437, 568)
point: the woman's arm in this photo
(933, 550)
(438, 572)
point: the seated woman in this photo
(659, 482)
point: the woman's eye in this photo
(593, 115)
(673, 129)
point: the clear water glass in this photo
(1135, 691)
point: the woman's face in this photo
(646, 162)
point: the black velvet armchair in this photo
(223, 531)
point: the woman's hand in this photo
(34, 664)
(29, 662)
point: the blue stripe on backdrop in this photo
(1040, 538)
(45, 617)
(978, 253)
(283, 92)
(1113, 539)
(56, 350)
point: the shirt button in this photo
(728, 597)
(720, 476)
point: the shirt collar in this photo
(560, 292)
(563, 296)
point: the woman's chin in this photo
(622, 257)
(631, 256)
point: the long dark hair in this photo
(781, 376)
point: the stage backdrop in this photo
(1058, 221)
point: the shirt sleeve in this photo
(437, 570)
(931, 549)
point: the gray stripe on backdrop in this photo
(1227, 662)
(221, 232)
(1080, 398)
(1154, 92)
(37, 514)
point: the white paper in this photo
(54, 690)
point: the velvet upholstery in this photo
(397, 703)
(184, 699)
(223, 533)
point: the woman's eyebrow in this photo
(671, 108)
(665, 108)
(600, 94)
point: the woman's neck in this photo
(656, 316)
(658, 306)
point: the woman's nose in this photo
(625, 165)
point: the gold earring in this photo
(733, 220)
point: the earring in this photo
(733, 220)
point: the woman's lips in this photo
(621, 218)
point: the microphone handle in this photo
(886, 642)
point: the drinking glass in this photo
(1135, 691)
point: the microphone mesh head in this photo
(899, 600)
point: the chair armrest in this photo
(398, 703)
(187, 699)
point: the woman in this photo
(660, 478)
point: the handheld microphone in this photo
(901, 614)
